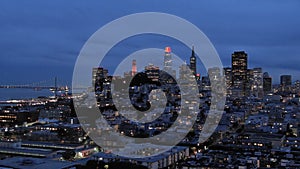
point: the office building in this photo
(214, 73)
(285, 80)
(193, 62)
(228, 77)
(168, 60)
(267, 83)
(98, 76)
(239, 72)
(152, 72)
(257, 83)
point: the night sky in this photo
(42, 39)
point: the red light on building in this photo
(133, 68)
(198, 75)
(168, 49)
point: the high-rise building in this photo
(102, 86)
(285, 80)
(186, 77)
(239, 72)
(257, 83)
(205, 83)
(267, 83)
(133, 68)
(228, 77)
(214, 73)
(297, 86)
(168, 63)
(168, 60)
(193, 62)
(98, 75)
(152, 72)
(184, 71)
(249, 82)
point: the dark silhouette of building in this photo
(98, 76)
(267, 83)
(102, 86)
(193, 62)
(249, 82)
(13, 118)
(285, 80)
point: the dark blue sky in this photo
(42, 39)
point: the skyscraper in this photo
(267, 83)
(249, 82)
(257, 84)
(239, 72)
(152, 72)
(214, 73)
(228, 77)
(168, 60)
(133, 68)
(285, 80)
(193, 62)
(168, 63)
(101, 84)
(98, 76)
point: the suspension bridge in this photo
(52, 84)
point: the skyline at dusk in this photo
(149, 84)
(42, 40)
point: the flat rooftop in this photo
(30, 163)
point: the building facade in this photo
(257, 84)
(267, 83)
(285, 80)
(239, 72)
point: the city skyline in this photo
(149, 84)
(191, 63)
(48, 40)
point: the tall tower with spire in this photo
(168, 60)
(133, 68)
(193, 62)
